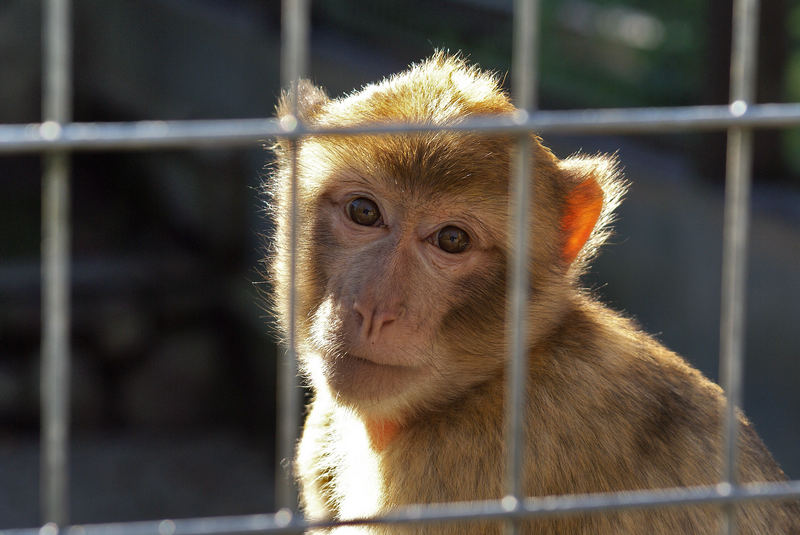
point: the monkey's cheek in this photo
(362, 382)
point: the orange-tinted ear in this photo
(582, 209)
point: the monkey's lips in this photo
(383, 359)
(350, 361)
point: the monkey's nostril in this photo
(383, 319)
(363, 317)
(358, 308)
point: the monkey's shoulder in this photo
(635, 403)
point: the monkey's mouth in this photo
(356, 378)
(374, 361)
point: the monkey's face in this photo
(409, 292)
(402, 242)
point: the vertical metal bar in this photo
(524, 85)
(294, 40)
(294, 61)
(55, 372)
(734, 259)
(525, 61)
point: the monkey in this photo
(401, 298)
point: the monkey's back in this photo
(621, 412)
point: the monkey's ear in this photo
(595, 190)
(310, 99)
(581, 211)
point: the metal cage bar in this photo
(294, 58)
(524, 83)
(734, 256)
(540, 507)
(55, 364)
(56, 136)
(160, 135)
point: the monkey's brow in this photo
(469, 202)
(355, 179)
(494, 231)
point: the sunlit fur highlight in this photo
(608, 408)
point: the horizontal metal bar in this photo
(242, 132)
(284, 522)
(135, 135)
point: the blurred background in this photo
(173, 362)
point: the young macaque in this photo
(401, 299)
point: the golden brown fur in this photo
(405, 345)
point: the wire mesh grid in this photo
(57, 136)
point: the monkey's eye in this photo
(452, 240)
(363, 211)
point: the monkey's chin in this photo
(364, 383)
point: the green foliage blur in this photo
(593, 52)
(608, 53)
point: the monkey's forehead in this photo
(425, 164)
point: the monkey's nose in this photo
(373, 321)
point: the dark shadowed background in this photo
(173, 364)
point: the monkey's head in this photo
(403, 241)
